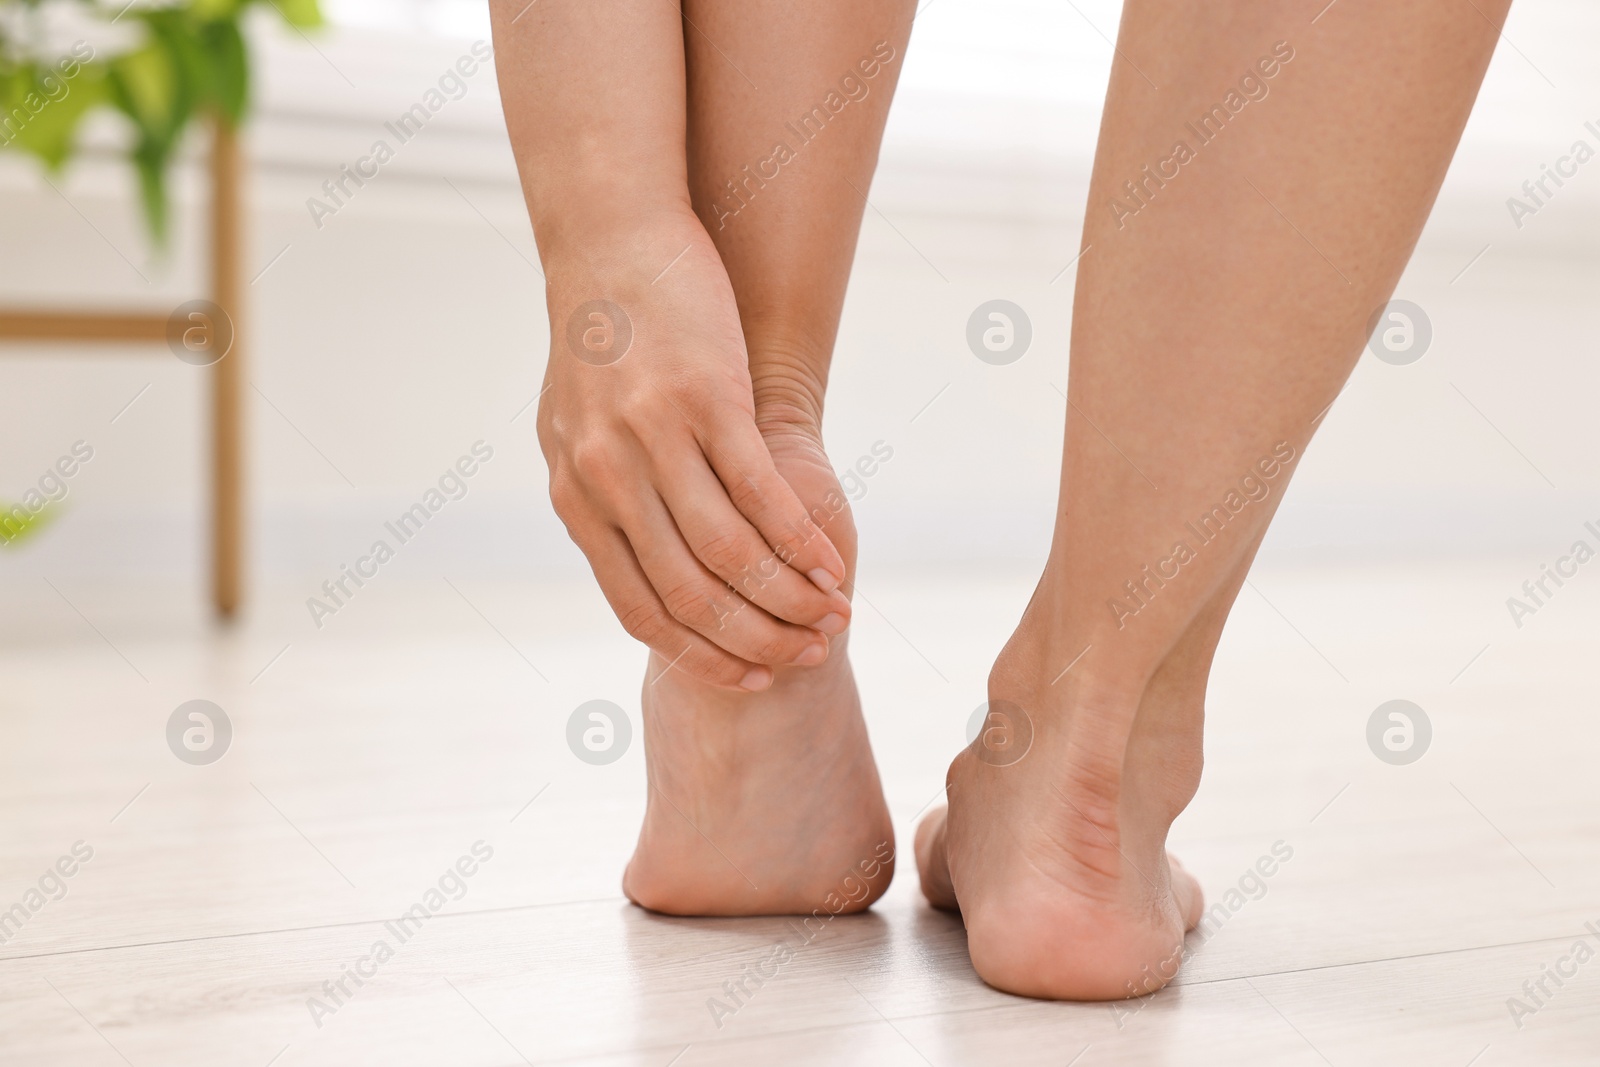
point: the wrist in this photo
(610, 239)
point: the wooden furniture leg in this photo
(227, 377)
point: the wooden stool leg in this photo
(227, 382)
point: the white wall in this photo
(411, 324)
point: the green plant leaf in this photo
(228, 69)
(215, 10)
(302, 14)
(195, 59)
(50, 133)
(152, 88)
(14, 530)
(144, 85)
(150, 161)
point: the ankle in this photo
(788, 414)
(1054, 671)
(1125, 740)
(789, 380)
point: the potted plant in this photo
(173, 64)
(183, 61)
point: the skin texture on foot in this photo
(765, 803)
(1057, 904)
(1057, 861)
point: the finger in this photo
(646, 618)
(699, 600)
(737, 453)
(734, 550)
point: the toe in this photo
(932, 864)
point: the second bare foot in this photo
(1058, 864)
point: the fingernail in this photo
(813, 655)
(832, 624)
(758, 678)
(823, 580)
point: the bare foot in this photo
(1054, 853)
(764, 803)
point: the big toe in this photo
(933, 865)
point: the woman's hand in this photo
(657, 468)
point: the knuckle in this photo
(726, 552)
(728, 411)
(748, 496)
(771, 649)
(724, 673)
(594, 462)
(652, 413)
(714, 666)
(566, 495)
(792, 529)
(763, 583)
(693, 604)
(546, 431)
(644, 622)
(790, 543)
(638, 413)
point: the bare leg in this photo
(647, 418)
(1216, 316)
(783, 780)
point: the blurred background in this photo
(392, 335)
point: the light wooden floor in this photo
(369, 756)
